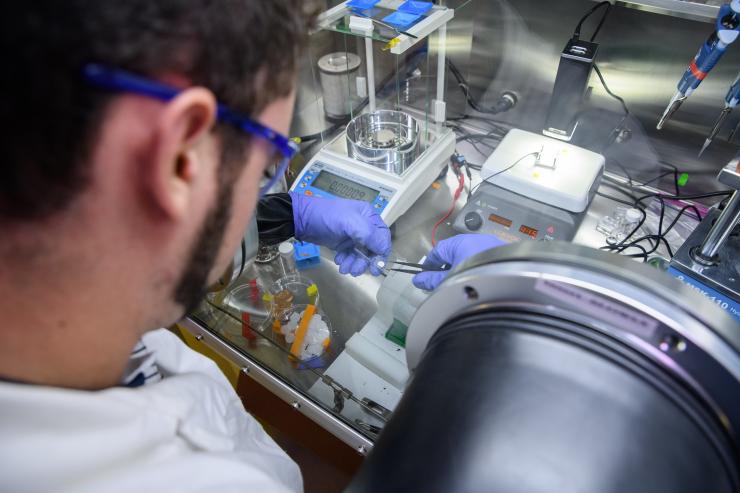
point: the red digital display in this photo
(528, 231)
(500, 220)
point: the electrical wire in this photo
(493, 175)
(577, 30)
(632, 182)
(722, 193)
(456, 196)
(619, 188)
(609, 91)
(615, 199)
(504, 103)
(660, 237)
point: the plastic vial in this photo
(287, 258)
(632, 217)
(268, 266)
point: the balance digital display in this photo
(344, 188)
(323, 179)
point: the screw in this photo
(296, 405)
(199, 337)
(362, 450)
(671, 342)
(471, 293)
(245, 369)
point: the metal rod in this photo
(441, 55)
(721, 229)
(370, 72)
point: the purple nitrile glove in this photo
(452, 251)
(343, 225)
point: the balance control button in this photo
(473, 221)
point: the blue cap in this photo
(362, 4)
(415, 7)
(401, 20)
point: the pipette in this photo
(731, 100)
(726, 32)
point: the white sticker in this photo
(599, 307)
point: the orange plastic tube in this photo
(300, 333)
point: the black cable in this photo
(656, 178)
(495, 125)
(614, 134)
(609, 91)
(615, 199)
(577, 30)
(504, 170)
(660, 237)
(723, 193)
(474, 137)
(632, 180)
(507, 100)
(616, 185)
(601, 22)
(644, 253)
(624, 170)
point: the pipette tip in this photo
(672, 107)
(707, 142)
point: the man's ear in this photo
(174, 165)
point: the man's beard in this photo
(193, 283)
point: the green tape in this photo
(683, 179)
(397, 333)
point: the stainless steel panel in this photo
(642, 54)
(287, 393)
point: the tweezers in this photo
(417, 268)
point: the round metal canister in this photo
(545, 367)
(338, 72)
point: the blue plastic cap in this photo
(362, 4)
(416, 7)
(306, 255)
(401, 20)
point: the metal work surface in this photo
(349, 303)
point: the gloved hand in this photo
(342, 225)
(452, 251)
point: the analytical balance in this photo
(391, 151)
(533, 187)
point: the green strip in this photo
(397, 333)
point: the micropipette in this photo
(727, 28)
(731, 100)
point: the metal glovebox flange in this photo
(301, 403)
(642, 307)
(646, 289)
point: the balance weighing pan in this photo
(385, 138)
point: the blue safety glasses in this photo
(114, 79)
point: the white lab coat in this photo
(188, 432)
